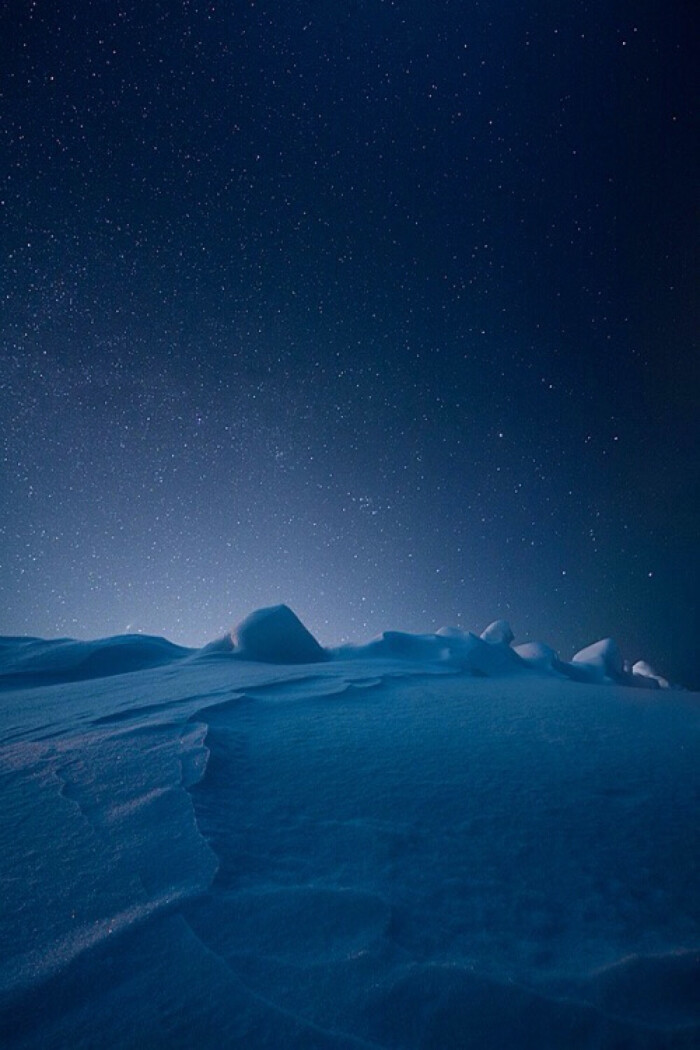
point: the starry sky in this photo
(384, 309)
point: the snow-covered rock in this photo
(537, 654)
(413, 646)
(486, 658)
(644, 670)
(458, 649)
(498, 633)
(452, 632)
(398, 645)
(603, 659)
(276, 635)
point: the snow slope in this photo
(384, 850)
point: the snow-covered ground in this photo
(413, 844)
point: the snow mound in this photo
(642, 670)
(538, 654)
(454, 649)
(499, 633)
(452, 632)
(481, 657)
(397, 645)
(603, 661)
(412, 646)
(276, 635)
(34, 661)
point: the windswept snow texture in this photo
(387, 850)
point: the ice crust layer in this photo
(382, 851)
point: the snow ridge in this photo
(275, 635)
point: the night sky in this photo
(382, 309)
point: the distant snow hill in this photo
(435, 841)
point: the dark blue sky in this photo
(383, 309)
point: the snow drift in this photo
(276, 635)
(432, 841)
(35, 661)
